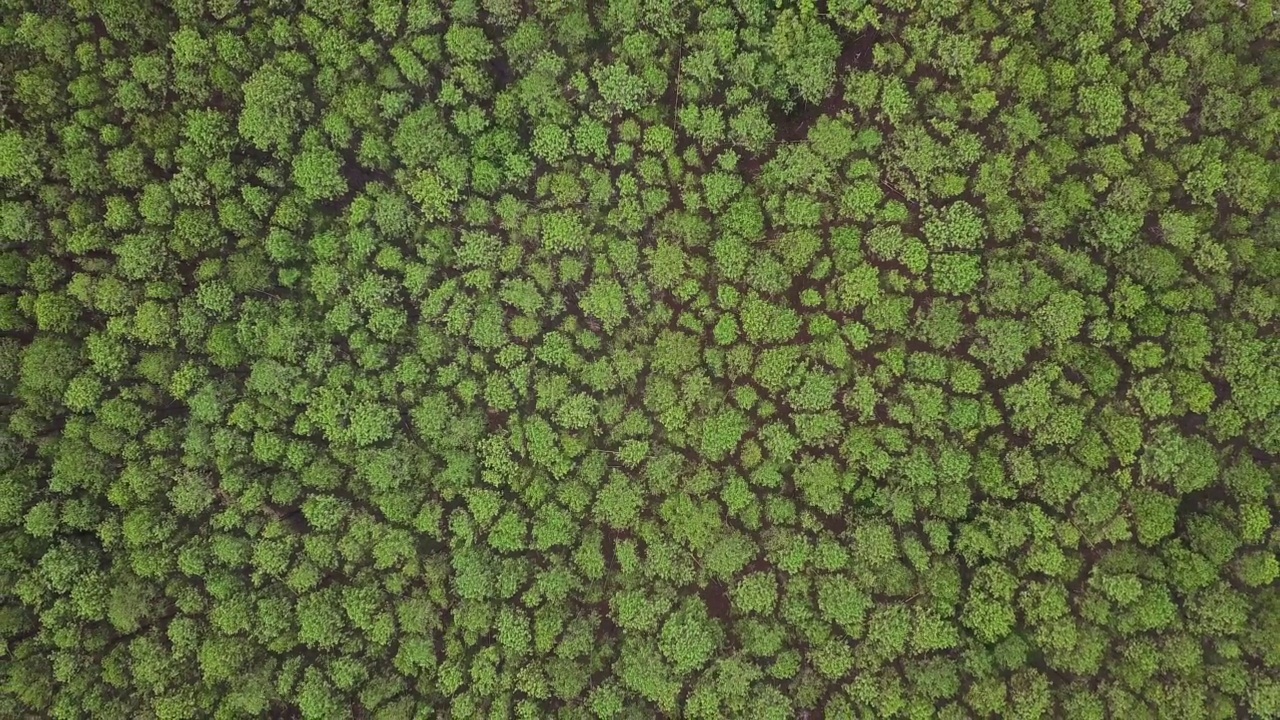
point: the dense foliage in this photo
(701, 358)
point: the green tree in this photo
(273, 108)
(318, 172)
(689, 638)
(605, 301)
(721, 434)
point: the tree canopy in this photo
(639, 358)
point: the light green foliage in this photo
(688, 638)
(956, 274)
(605, 301)
(756, 593)
(806, 48)
(620, 89)
(822, 485)
(15, 158)
(1104, 109)
(318, 174)
(765, 322)
(434, 197)
(722, 433)
(564, 231)
(959, 225)
(273, 108)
